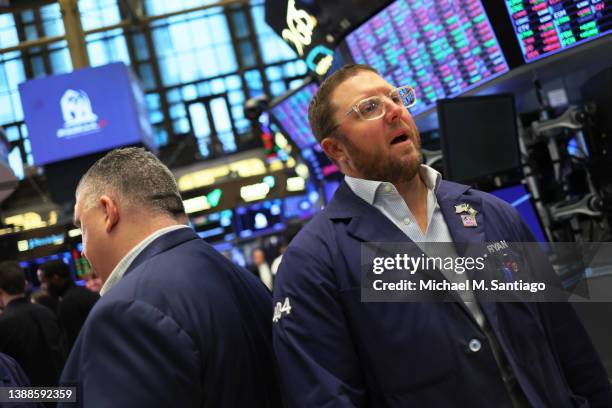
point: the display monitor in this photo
(520, 198)
(299, 206)
(318, 162)
(83, 112)
(291, 113)
(82, 265)
(441, 48)
(544, 28)
(213, 227)
(479, 137)
(259, 218)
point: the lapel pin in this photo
(469, 220)
(461, 208)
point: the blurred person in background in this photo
(260, 267)
(93, 282)
(29, 333)
(74, 302)
(43, 297)
(13, 376)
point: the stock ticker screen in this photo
(546, 27)
(292, 115)
(441, 48)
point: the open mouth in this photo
(399, 139)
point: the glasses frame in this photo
(355, 107)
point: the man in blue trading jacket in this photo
(335, 351)
(178, 325)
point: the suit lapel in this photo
(466, 238)
(366, 222)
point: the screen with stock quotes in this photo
(441, 48)
(292, 114)
(546, 27)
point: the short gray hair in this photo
(134, 176)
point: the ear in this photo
(335, 149)
(111, 212)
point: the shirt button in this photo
(387, 188)
(475, 345)
(406, 221)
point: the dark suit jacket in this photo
(12, 375)
(184, 328)
(73, 309)
(334, 350)
(31, 335)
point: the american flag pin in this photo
(469, 220)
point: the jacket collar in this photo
(368, 224)
(161, 244)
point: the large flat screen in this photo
(318, 162)
(479, 137)
(86, 111)
(520, 198)
(545, 27)
(441, 48)
(291, 113)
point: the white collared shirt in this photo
(127, 260)
(385, 197)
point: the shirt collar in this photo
(367, 189)
(126, 261)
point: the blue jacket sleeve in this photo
(130, 354)
(317, 361)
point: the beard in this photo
(372, 165)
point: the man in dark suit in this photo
(13, 376)
(178, 325)
(74, 302)
(334, 350)
(29, 332)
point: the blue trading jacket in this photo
(183, 328)
(335, 351)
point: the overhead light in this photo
(75, 232)
(254, 192)
(248, 167)
(196, 204)
(302, 170)
(296, 184)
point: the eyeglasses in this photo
(375, 107)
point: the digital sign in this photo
(259, 218)
(299, 207)
(86, 111)
(217, 226)
(291, 113)
(318, 162)
(441, 48)
(546, 27)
